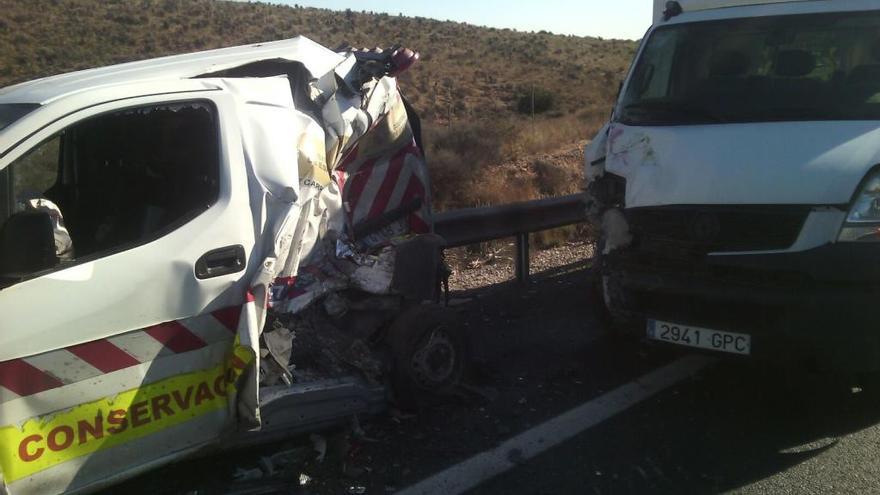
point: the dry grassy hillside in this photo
(473, 88)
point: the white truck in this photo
(737, 183)
(206, 250)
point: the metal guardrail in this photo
(475, 225)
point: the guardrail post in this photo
(522, 258)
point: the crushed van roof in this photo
(317, 59)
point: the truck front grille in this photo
(694, 231)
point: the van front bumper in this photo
(819, 304)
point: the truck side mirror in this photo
(27, 244)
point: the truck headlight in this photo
(863, 220)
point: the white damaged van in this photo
(737, 183)
(210, 250)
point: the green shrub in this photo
(535, 100)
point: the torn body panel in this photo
(357, 161)
(605, 193)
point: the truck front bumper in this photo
(819, 304)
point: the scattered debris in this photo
(336, 305)
(283, 460)
(247, 474)
(487, 393)
(353, 472)
(492, 256)
(398, 415)
(458, 301)
(267, 466)
(358, 432)
(319, 444)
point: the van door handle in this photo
(221, 261)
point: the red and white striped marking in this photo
(34, 374)
(373, 186)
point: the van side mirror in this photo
(27, 244)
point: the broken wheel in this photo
(428, 353)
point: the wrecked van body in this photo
(736, 183)
(208, 250)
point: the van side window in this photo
(38, 170)
(108, 183)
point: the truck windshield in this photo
(10, 112)
(781, 68)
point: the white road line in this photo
(470, 473)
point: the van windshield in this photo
(781, 68)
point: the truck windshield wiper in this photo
(665, 109)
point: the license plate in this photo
(703, 338)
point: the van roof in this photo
(316, 58)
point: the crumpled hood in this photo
(808, 163)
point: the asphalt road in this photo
(733, 427)
(728, 430)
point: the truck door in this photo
(124, 253)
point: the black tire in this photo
(428, 355)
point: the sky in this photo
(626, 19)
